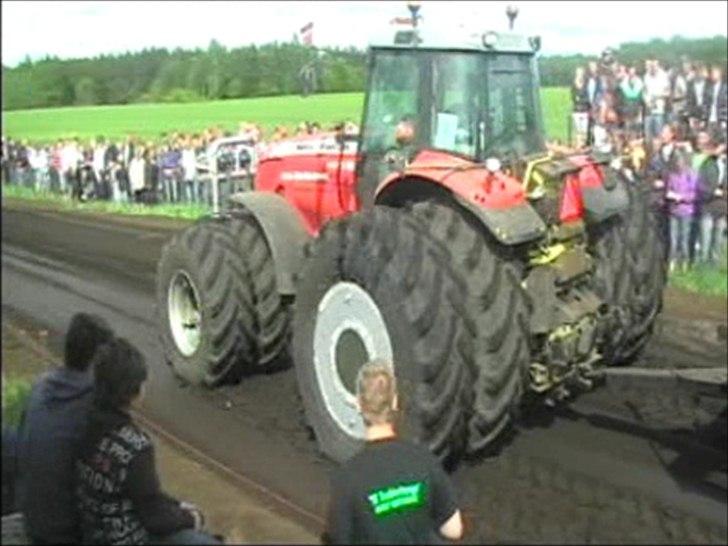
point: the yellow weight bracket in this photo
(531, 175)
(547, 254)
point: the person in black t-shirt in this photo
(393, 491)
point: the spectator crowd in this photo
(170, 169)
(671, 123)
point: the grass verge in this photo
(711, 281)
(177, 210)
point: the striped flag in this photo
(307, 34)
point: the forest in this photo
(217, 72)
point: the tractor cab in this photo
(477, 98)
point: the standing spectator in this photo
(32, 179)
(69, 164)
(189, 169)
(111, 163)
(695, 96)
(50, 435)
(136, 174)
(656, 93)
(151, 175)
(22, 163)
(593, 90)
(392, 492)
(170, 166)
(114, 166)
(4, 160)
(682, 197)
(56, 152)
(678, 99)
(716, 105)
(713, 204)
(127, 151)
(120, 497)
(631, 92)
(44, 163)
(606, 120)
(99, 167)
(580, 109)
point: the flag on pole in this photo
(307, 34)
(407, 21)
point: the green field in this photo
(149, 120)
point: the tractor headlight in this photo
(490, 39)
(493, 164)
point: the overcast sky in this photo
(82, 29)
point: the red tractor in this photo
(445, 239)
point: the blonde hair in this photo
(376, 390)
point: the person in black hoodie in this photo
(119, 495)
(50, 432)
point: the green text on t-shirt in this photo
(397, 498)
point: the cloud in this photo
(79, 29)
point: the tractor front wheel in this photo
(205, 303)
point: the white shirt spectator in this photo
(714, 92)
(656, 91)
(699, 90)
(70, 156)
(39, 159)
(189, 163)
(98, 159)
(136, 174)
(32, 157)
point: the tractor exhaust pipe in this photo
(512, 13)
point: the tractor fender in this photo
(283, 231)
(513, 224)
(603, 190)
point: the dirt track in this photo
(566, 477)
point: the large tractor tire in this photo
(500, 358)
(645, 256)
(612, 282)
(205, 303)
(630, 274)
(374, 285)
(273, 315)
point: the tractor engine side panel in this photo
(314, 175)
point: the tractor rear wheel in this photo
(630, 274)
(500, 357)
(612, 282)
(375, 286)
(205, 303)
(645, 258)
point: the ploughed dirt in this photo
(569, 475)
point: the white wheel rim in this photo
(185, 318)
(349, 331)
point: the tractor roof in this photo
(482, 42)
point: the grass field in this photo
(149, 120)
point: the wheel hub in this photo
(349, 332)
(185, 318)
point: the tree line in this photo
(159, 75)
